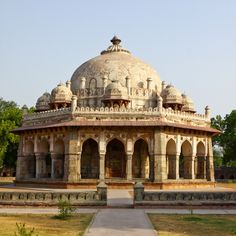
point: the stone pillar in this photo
(160, 156)
(71, 156)
(129, 167)
(138, 191)
(20, 170)
(167, 166)
(102, 166)
(176, 173)
(102, 191)
(41, 167)
(151, 167)
(211, 176)
(191, 167)
(79, 165)
(204, 168)
(196, 168)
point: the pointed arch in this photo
(171, 159)
(115, 159)
(58, 159)
(185, 168)
(30, 164)
(140, 160)
(90, 159)
(200, 163)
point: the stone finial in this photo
(207, 112)
(74, 103)
(24, 110)
(159, 103)
(163, 85)
(127, 78)
(82, 83)
(68, 84)
(115, 40)
(149, 83)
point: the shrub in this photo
(22, 231)
(65, 210)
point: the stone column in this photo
(191, 167)
(71, 156)
(160, 156)
(151, 167)
(129, 167)
(167, 166)
(204, 168)
(196, 167)
(79, 165)
(102, 166)
(211, 176)
(176, 174)
(41, 167)
(20, 170)
(57, 170)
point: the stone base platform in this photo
(117, 184)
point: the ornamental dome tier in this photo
(115, 63)
(188, 104)
(172, 98)
(115, 95)
(61, 96)
(43, 102)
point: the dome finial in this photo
(115, 40)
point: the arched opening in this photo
(115, 159)
(43, 162)
(185, 162)
(30, 165)
(90, 160)
(200, 163)
(231, 177)
(140, 160)
(222, 177)
(58, 159)
(171, 159)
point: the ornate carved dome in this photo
(61, 96)
(172, 97)
(114, 63)
(43, 102)
(188, 104)
(116, 94)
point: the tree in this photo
(227, 139)
(10, 118)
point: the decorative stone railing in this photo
(180, 198)
(79, 198)
(149, 112)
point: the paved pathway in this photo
(117, 222)
(119, 198)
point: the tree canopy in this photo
(10, 118)
(227, 139)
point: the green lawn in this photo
(196, 225)
(46, 225)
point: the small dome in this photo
(115, 91)
(171, 95)
(188, 104)
(43, 102)
(61, 94)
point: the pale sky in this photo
(191, 43)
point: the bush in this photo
(22, 231)
(65, 210)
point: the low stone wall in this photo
(183, 198)
(52, 198)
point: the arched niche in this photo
(30, 161)
(185, 160)
(115, 160)
(140, 160)
(90, 160)
(200, 163)
(171, 159)
(58, 159)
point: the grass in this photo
(195, 225)
(46, 225)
